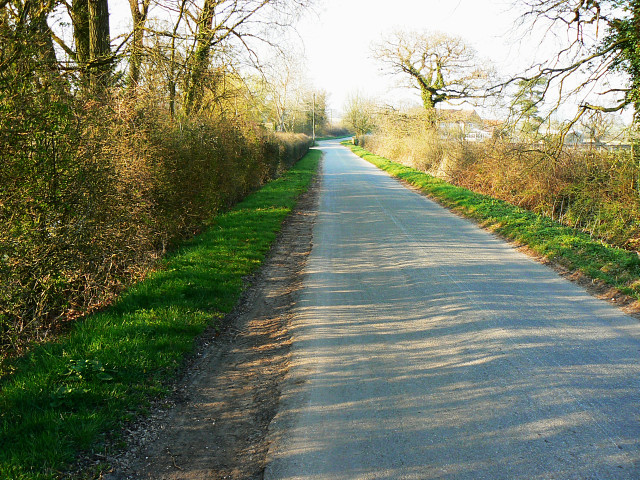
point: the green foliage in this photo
(314, 112)
(69, 396)
(574, 249)
(359, 115)
(623, 36)
(525, 106)
(601, 38)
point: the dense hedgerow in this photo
(92, 193)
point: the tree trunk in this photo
(635, 92)
(172, 97)
(99, 44)
(80, 20)
(139, 16)
(635, 69)
(200, 59)
(90, 20)
(427, 99)
(41, 33)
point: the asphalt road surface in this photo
(425, 347)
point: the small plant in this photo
(89, 370)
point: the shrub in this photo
(335, 131)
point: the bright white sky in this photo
(337, 40)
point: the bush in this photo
(335, 131)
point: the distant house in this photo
(464, 122)
(616, 145)
(476, 135)
(494, 127)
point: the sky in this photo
(337, 40)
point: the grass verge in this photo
(566, 246)
(69, 396)
(322, 139)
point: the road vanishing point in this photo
(425, 347)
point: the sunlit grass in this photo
(569, 247)
(68, 396)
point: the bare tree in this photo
(444, 68)
(282, 84)
(596, 125)
(220, 22)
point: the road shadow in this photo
(431, 349)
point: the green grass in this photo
(569, 247)
(320, 139)
(69, 396)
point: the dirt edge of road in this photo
(214, 424)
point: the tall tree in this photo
(205, 38)
(595, 126)
(27, 55)
(92, 38)
(443, 67)
(315, 112)
(219, 22)
(624, 38)
(526, 106)
(282, 83)
(359, 114)
(79, 12)
(139, 13)
(99, 43)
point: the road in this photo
(425, 347)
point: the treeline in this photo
(113, 149)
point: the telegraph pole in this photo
(313, 121)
